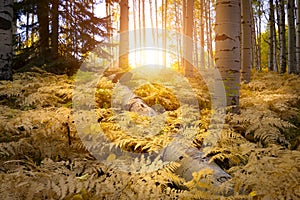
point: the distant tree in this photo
(278, 39)
(228, 25)
(209, 28)
(246, 43)
(124, 35)
(201, 32)
(55, 28)
(298, 37)
(257, 15)
(272, 33)
(265, 48)
(188, 24)
(6, 50)
(282, 37)
(291, 37)
(275, 39)
(43, 20)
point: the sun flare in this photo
(150, 57)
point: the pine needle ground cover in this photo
(42, 157)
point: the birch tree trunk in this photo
(271, 37)
(246, 51)
(6, 46)
(124, 35)
(254, 44)
(259, 37)
(228, 25)
(291, 37)
(282, 38)
(277, 11)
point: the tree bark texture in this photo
(55, 24)
(246, 45)
(188, 19)
(291, 37)
(271, 36)
(282, 37)
(43, 20)
(228, 62)
(6, 46)
(298, 38)
(124, 35)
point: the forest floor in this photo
(42, 156)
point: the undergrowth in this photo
(42, 156)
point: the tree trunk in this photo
(124, 35)
(282, 38)
(209, 34)
(6, 46)
(43, 20)
(246, 51)
(228, 25)
(277, 11)
(291, 37)
(275, 63)
(165, 34)
(202, 60)
(254, 44)
(188, 40)
(191, 160)
(271, 37)
(206, 17)
(298, 37)
(27, 30)
(258, 61)
(54, 36)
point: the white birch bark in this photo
(271, 37)
(282, 38)
(6, 47)
(228, 62)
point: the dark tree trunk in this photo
(55, 25)
(298, 38)
(291, 37)
(43, 20)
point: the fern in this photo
(268, 173)
(262, 127)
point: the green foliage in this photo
(80, 31)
